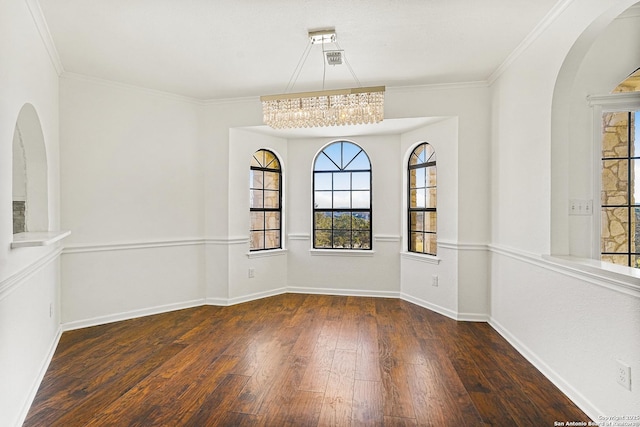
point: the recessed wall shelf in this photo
(38, 238)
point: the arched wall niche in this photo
(572, 127)
(30, 187)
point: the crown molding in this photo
(45, 34)
(540, 28)
(632, 12)
(130, 87)
(437, 86)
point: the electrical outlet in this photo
(252, 272)
(434, 280)
(623, 374)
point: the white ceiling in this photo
(213, 49)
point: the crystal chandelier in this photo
(361, 105)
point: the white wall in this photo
(29, 283)
(132, 195)
(571, 324)
(373, 272)
(270, 272)
(416, 273)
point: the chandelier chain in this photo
(296, 72)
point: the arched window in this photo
(422, 200)
(265, 201)
(342, 197)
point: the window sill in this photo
(429, 259)
(40, 238)
(623, 278)
(342, 252)
(266, 253)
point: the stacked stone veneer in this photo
(19, 224)
(615, 225)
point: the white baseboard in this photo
(256, 296)
(342, 292)
(578, 399)
(36, 384)
(117, 317)
(430, 306)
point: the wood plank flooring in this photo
(295, 360)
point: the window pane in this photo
(420, 177)
(614, 134)
(413, 197)
(430, 244)
(412, 178)
(361, 181)
(257, 239)
(360, 162)
(270, 160)
(255, 199)
(342, 181)
(431, 176)
(332, 154)
(257, 220)
(361, 240)
(431, 198)
(615, 228)
(615, 178)
(349, 151)
(635, 186)
(322, 181)
(429, 153)
(342, 239)
(361, 221)
(323, 221)
(416, 243)
(341, 220)
(635, 230)
(324, 164)
(272, 220)
(254, 161)
(430, 221)
(257, 180)
(635, 261)
(272, 239)
(417, 157)
(272, 180)
(361, 199)
(323, 199)
(341, 199)
(271, 199)
(417, 221)
(420, 198)
(323, 239)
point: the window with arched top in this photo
(342, 198)
(422, 200)
(265, 201)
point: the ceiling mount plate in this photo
(322, 36)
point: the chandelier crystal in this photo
(324, 108)
(354, 106)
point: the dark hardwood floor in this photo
(299, 360)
